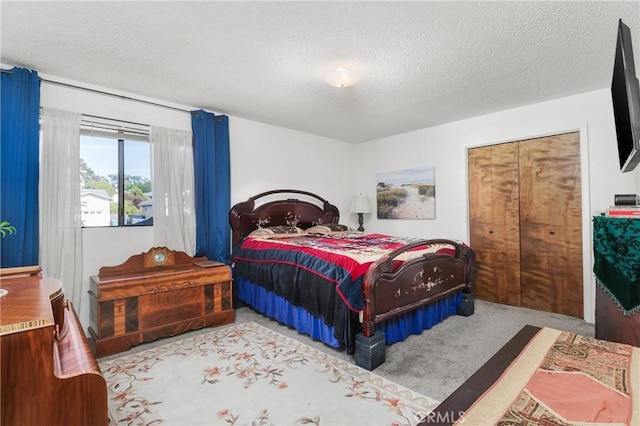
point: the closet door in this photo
(551, 224)
(494, 221)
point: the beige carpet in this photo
(245, 374)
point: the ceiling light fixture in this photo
(342, 77)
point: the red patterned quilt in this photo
(341, 259)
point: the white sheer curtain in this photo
(174, 222)
(59, 198)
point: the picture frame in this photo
(406, 194)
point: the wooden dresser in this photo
(49, 374)
(157, 294)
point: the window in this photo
(115, 175)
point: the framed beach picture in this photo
(406, 194)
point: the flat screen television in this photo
(625, 92)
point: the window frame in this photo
(120, 132)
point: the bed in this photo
(345, 288)
(544, 376)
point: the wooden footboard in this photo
(392, 288)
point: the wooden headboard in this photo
(245, 217)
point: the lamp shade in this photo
(342, 77)
(360, 204)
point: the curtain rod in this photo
(114, 120)
(101, 92)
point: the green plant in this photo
(6, 229)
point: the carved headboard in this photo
(245, 217)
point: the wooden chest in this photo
(157, 294)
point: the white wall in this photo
(446, 147)
(263, 158)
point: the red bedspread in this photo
(340, 259)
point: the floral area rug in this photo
(246, 374)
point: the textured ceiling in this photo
(423, 63)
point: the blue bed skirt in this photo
(395, 329)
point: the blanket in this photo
(564, 378)
(341, 260)
(616, 250)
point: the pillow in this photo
(285, 229)
(337, 227)
(271, 231)
(318, 229)
(327, 228)
(261, 232)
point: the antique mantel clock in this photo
(158, 256)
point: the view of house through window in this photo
(115, 178)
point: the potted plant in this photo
(6, 228)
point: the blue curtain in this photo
(19, 163)
(212, 179)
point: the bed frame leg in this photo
(466, 306)
(370, 351)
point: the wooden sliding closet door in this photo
(551, 224)
(494, 220)
(525, 220)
